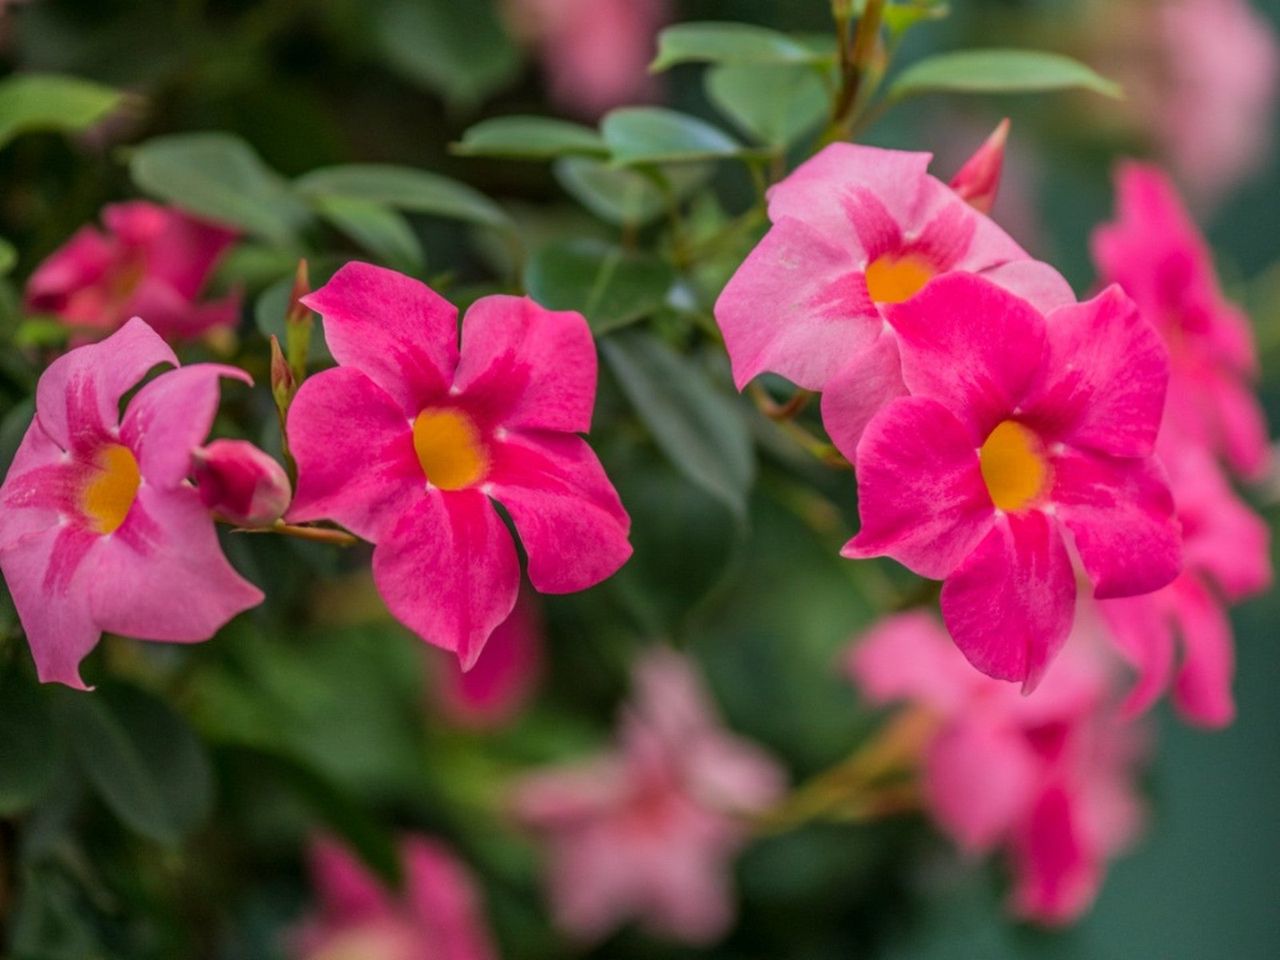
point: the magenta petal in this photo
(348, 891)
(180, 250)
(970, 345)
(1058, 872)
(909, 657)
(78, 397)
(566, 511)
(1243, 427)
(526, 367)
(920, 491)
(171, 416)
(448, 571)
(1121, 514)
(41, 488)
(1010, 605)
(861, 390)
(354, 449)
(1203, 686)
(1142, 628)
(494, 690)
(1105, 379)
(163, 576)
(443, 899)
(798, 307)
(396, 330)
(79, 263)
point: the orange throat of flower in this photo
(1014, 467)
(893, 279)
(449, 448)
(109, 495)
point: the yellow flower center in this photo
(1013, 466)
(449, 448)
(892, 279)
(110, 493)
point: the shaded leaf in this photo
(658, 135)
(606, 284)
(405, 188)
(27, 745)
(381, 231)
(42, 101)
(777, 104)
(530, 138)
(998, 71)
(712, 42)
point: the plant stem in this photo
(855, 65)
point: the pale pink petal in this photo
(861, 390)
(1142, 628)
(1121, 515)
(909, 657)
(971, 346)
(568, 515)
(920, 491)
(1243, 426)
(592, 888)
(78, 396)
(176, 317)
(162, 575)
(442, 897)
(447, 570)
(798, 307)
(524, 367)
(1037, 283)
(1009, 606)
(562, 797)
(394, 329)
(1057, 872)
(41, 488)
(171, 416)
(1203, 686)
(690, 898)
(355, 455)
(494, 690)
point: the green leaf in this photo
(615, 195)
(608, 285)
(775, 103)
(658, 135)
(698, 427)
(741, 43)
(997, 71)
(378, 229)
(458, 50)
(405, 188)
(221, 178)
(8, 256)
(27, 746)
(42, 101)
(901, 17)
(530, 138)
(142, 759)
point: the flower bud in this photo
(241, 484)
(979, 179)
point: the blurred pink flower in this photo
(649, 830)
(856, 230)
(1047, 777)
(438, 915)
(1215, 113)
(978, 181)
(596, 52)
(1154, 251)
(406, 441)
(240, 483)
(151, 262)
(101, 530)
(494, 691)
(1019, 429)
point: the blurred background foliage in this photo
(165, 816)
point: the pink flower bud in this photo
(979, 179)
(240, 483)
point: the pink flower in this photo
(436, 917)
(152, 262)
(596, 52)
(494, 691)
(855, 230)
(648, 831)
(978, 181)
(1049, 777)
(100, 528)
(1154, 251)
(1228, 557)
(409, 438)
(241, 484)
(1018, 428)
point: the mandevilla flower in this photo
(100, 528)
(1228, 558)
(649, 831)
(1047, 777)
(437, 915)
(240, 483)
(406, 441)
(152, 262)
(1154, 251)
(855, 230)
(978, 181)
(1018, 427)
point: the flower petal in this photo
(180, 250)
(444, 900)
(1035, 282)
(1121, 514)
(354, 450)
(1142, 628)
(910, 657)
(970, 345)
(1057, 871)
(396, 330)
(566, 511)
(1203, 686)
(448, 571)
(348, 891)
(857, 393)
(920, 490)
(41, 488)
(526, 367)
(493, 691)
(1010, 605)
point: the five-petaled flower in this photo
(1019, 425)
(101, 529)
(408, 439)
